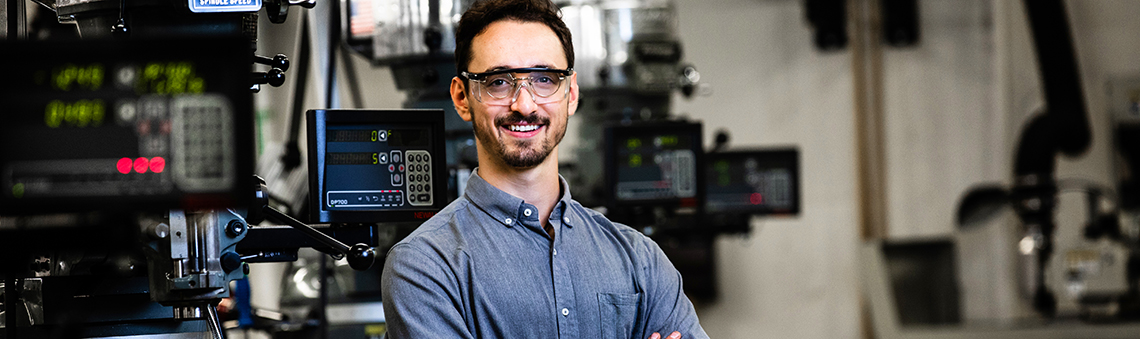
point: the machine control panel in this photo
(115, 125)
(371, 163)
(654, 163)
(752, 182)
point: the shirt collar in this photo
(506, 208)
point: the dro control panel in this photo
(376, 165)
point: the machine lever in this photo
(274, 77)
(279, 61)
(360, 256)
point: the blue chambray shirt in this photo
(484, 268)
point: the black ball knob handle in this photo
(279, 61)
(231, 261)
(274, 77)
(361, 257)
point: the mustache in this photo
(516, 117)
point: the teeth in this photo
(522, 128)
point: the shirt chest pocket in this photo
(618, 313)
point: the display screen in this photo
(372, 162)
(124, 124)
(655, 163)
(752, 182)
(378, 166)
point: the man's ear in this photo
(573, 104)
(460, 97)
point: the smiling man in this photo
(516, 257)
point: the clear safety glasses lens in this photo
(504, 89)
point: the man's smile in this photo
(519, 126)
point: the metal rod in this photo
(214, 321)
(17, 15)
(331, 94)
(325, 239)
(322, 316)
(350, 76)
(292, 157)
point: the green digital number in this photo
(82, 113)
(633, 143)
(71, 76)
(635, 160)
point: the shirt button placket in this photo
(563, 295)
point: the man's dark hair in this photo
(484, 13)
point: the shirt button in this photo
(526, 212)
(566, 219)
(507, 220)
(555, 251)
(565, 312)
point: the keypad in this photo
(418, 166)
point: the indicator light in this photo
(141, 165)
(124, 165)
(157, 164)
(756, 198)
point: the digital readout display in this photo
(652, 167)
(74, 111)
(377, 166)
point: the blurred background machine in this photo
(1083, 287)
(1097, 276)
(125, 167)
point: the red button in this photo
(141, 165)
(157, 164)
(124, 165)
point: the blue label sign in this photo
(216, 6)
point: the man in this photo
(516, 257)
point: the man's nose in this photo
(523, 100)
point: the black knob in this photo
(275, 77)
(361, 257)
(231, 261)
(279, 61)
(235, 228)
(120, 30)
(721, 138)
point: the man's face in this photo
(507, 132)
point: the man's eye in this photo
(544, 79)
(498, 83)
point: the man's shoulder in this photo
(437, 231)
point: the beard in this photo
(519, 153)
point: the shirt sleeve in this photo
(420, 296)
(669, 309)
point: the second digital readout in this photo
(363, 158)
